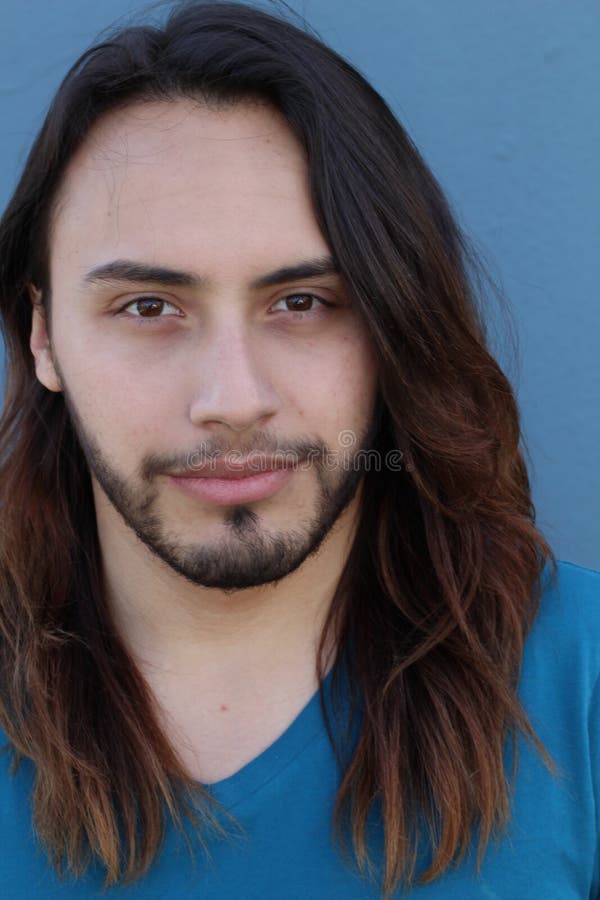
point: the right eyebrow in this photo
(135, 272)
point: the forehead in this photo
(182, 175)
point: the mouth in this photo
(231, 487)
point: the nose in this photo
(234, 387)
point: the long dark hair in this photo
(442, 582)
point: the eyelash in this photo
(151, 319)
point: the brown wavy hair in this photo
(443, 580)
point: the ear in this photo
(40, 344)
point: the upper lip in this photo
(242, 469)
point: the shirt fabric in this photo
(284, 800)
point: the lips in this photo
(223, 485)
(235, 470)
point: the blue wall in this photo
(502, 99)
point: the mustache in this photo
(214, 451)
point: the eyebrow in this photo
(136, 272)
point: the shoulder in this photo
(574, 584)
(561, 657)
(570, 608)
(15, 804)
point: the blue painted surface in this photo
(502, 100)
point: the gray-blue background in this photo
(502, 100)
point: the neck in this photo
(214, 636)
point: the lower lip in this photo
(227, 491)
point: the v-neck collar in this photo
(299, 734)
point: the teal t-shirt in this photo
(284, 800)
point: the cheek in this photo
(336, 391)
(118, 404)
(356, 395)
(356, 371)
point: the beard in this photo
(251, 555)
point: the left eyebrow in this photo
(136, 272)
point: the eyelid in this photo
(314, 296)
(148, 296)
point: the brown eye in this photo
(148, 307)
(302, 302)
(299, 302)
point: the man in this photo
(267, 538)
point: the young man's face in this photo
(221, 365)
